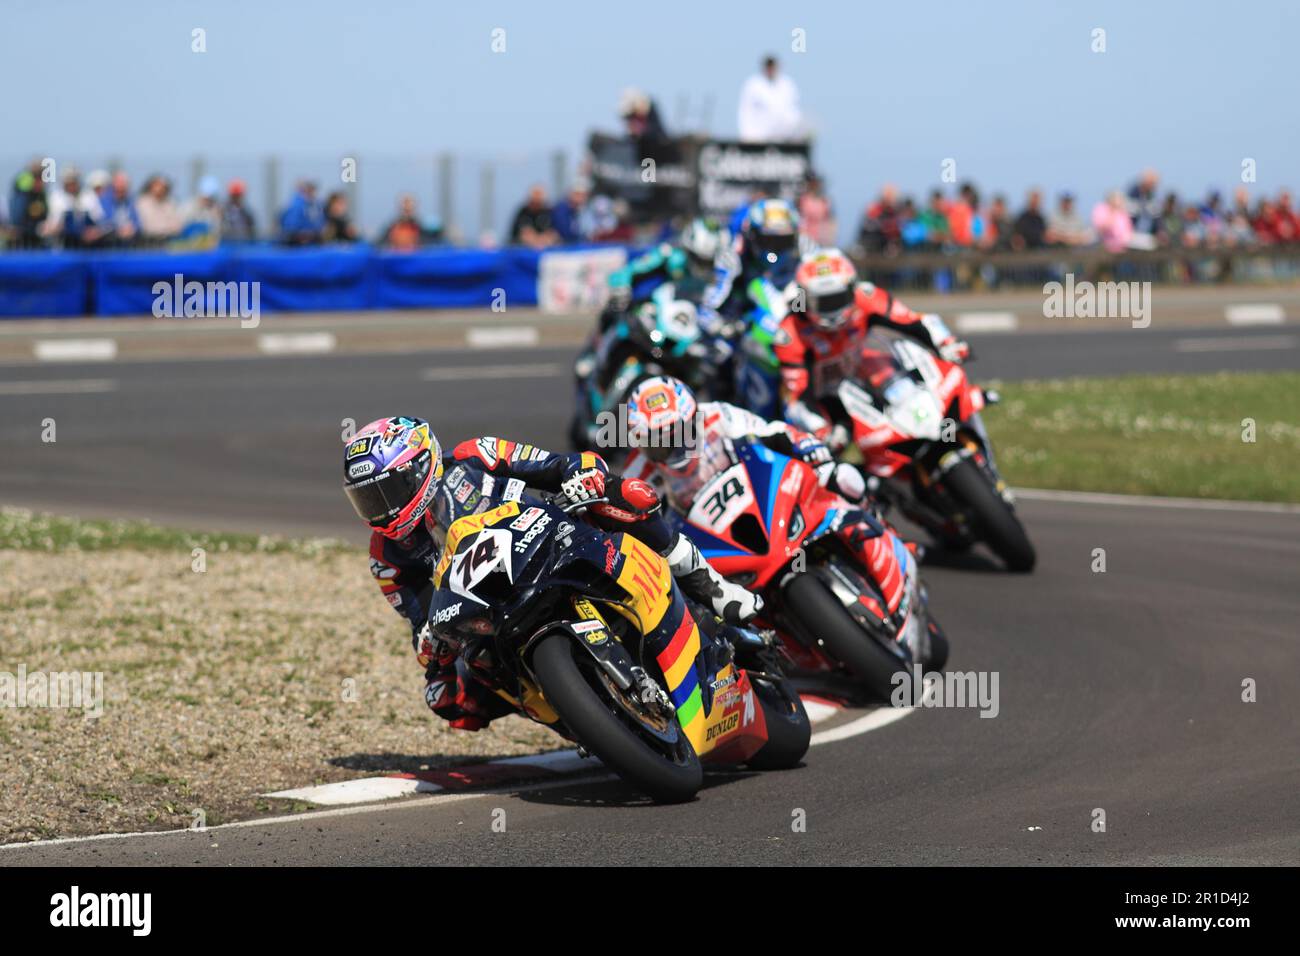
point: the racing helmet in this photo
(828, 281)
(661, 422)
(391, 470)
(770, 233)
(702, 240)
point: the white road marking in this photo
(470, 372)
(1242, 343)
(296, 343)
(1152, 501)
(67, 386)
(75, 350)
(503, 336)
(986, 322)
(871, 721)
(1255, 313)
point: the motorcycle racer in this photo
(821, 340)
(689, 264)
(680, 444)
(767, 247)
(399, 483)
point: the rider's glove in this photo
(812, 450)
(954, 350)
(843, 479)
(584, 480)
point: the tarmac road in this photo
(252, 444)
(1119, 691)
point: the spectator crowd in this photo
(1136, 219)
(103, 210)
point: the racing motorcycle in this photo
(554, 615)
(914, 420)
(767, 524)
(661, 336)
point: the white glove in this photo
(954, 350)
(843, 479)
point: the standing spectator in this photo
(935, 220)
(75, 217)
(160, 217)
(882, 223)
(1169, 224)
(1288, 223)
(1193, 232)
(1144, 209)
(534, 224)
(1030, 228)
(1213, 222)
(641, 121)
(120, 217)
(237, 221)
(303, 220)
(1113, 223)
(769, 107)
(201, 216)
(338, 224)
(407, 232)
(570, 214)
(997, 224)
(28, 207)
(816, 215)
(1065, 227)
(961, 215)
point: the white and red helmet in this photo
(828, 281)
(661, 421)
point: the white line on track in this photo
(66, 386)
(75, 350)
(469, 372)
(296, 343)
(504, 336)
(987, 322)
(1255, 313)
(1243, 343)
(1152, 501)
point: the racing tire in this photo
(594, 724)
(871, 666)
(995, 522)
(789, 730)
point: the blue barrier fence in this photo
(65, 283)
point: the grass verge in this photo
(278, 665)
(1173, 435)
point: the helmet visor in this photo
(775, 246)
(379, 499)
(833, 304)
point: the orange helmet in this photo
(827, 280)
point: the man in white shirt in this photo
(769, 107)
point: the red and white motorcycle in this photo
(915, 420)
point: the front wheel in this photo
(651, 753)
(871, 665)
(788, 728)
(992, 517)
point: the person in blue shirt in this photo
(303, 220)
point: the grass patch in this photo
(24, 530)
(217, 686)
(1171, 435)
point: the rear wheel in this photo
(871, 665)
(651, 753)
(992, 517)
(788, 728)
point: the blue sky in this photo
(1011, 91)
